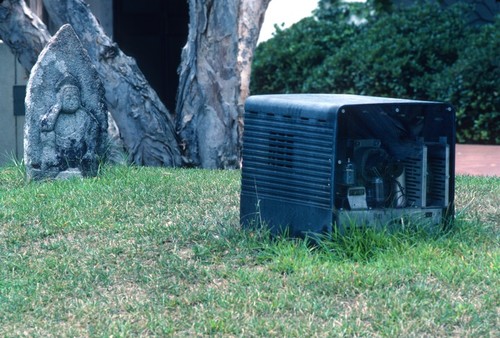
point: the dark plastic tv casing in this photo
(292, 148)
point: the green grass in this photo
(150, 251)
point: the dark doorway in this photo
(154, 32)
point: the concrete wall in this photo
(11, 126)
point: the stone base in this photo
(69, 173)
(39, 175)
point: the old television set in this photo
(312, 162)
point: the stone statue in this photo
(66, 118)
(65, 130)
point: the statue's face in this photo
(70, 99)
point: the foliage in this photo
(423, 52)
(158, 252)
(337, 10)
(473, 85)
(281, 64)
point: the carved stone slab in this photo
(65, 132)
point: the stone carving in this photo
(66, 117)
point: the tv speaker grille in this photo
(287, 158)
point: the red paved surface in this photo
(477, 160)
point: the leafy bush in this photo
(472, 85)
(425, 52)
(283, 63)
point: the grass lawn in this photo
(150, 251)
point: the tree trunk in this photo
(207, 112)
(22, 31)
(222, 37)
(145, 125)
(250, 21)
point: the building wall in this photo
(11, 126)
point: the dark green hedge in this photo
(424, 52)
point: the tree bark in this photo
(214, 77)
(207, 112)
(145, 125)
(22, 31)
(251, 17)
